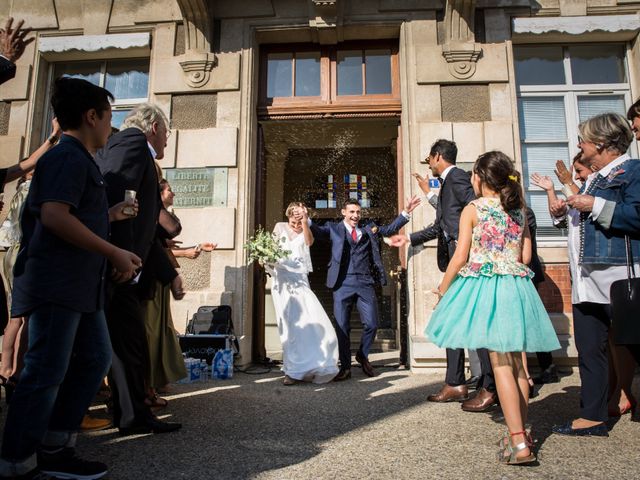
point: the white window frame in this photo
(116, 105)
(570, 93)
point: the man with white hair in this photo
(128, 163)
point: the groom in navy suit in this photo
(355, 268)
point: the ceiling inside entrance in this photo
(281, 136)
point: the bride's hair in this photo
(292, 206)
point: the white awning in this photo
(625, 25)
(95, 43)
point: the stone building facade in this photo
(263, 94)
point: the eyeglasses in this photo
(580, 140)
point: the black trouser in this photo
(591, 327)
(125, 318)
(635, 351)
(455, 369)
(545, 359)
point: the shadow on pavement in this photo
(251, 424)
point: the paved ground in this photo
(380, 428)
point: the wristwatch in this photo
(53, 139)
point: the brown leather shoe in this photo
(367, 368)
(450, 394)
(93, 424)
(482, 402)
(343, 374)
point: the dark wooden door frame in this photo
(258, 350)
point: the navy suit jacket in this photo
(336, 233)
(455, 194)
(7, 70)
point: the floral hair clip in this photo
(513, 177)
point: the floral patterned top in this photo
(496, 243)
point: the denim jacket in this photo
(602, 239)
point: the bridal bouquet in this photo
(265, 248)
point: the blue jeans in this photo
(68, 356)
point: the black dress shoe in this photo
(549, 375)
(599, 430)
(151, 425)
(367, 368)
(343, 374)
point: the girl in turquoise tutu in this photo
(488, 299)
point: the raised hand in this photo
(542, 181)
(423, 183)
(12, 42)
(412, 203)
(55, 128)
(563, 174)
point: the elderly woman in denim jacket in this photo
(609, 206)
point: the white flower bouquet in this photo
(265, 248)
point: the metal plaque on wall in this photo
(198, 187)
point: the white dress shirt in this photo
(443, 176)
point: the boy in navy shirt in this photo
(59, 284)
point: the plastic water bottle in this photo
(203, 370)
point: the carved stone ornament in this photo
(197, 68)
(325, 20)
(462, 59)
(198, 60)
(460, 51)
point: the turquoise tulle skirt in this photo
(503, 313)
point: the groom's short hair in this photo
(350, 201)
(446, 149)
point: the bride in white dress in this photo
(309, 342)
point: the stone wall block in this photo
(469, 138)
(573, 8)
(10, 149)
(499, 136)
(427, 106)
(38, 14)
(209, 224)
(431, 66)
(96, 15)
(169, 76)
(18, 87)
(210, 147)
(429, 133)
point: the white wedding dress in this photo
(309, 342)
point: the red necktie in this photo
(354, 235)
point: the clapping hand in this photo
(412, 203)
(563, 174)
(12, 42)
(542, 181)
